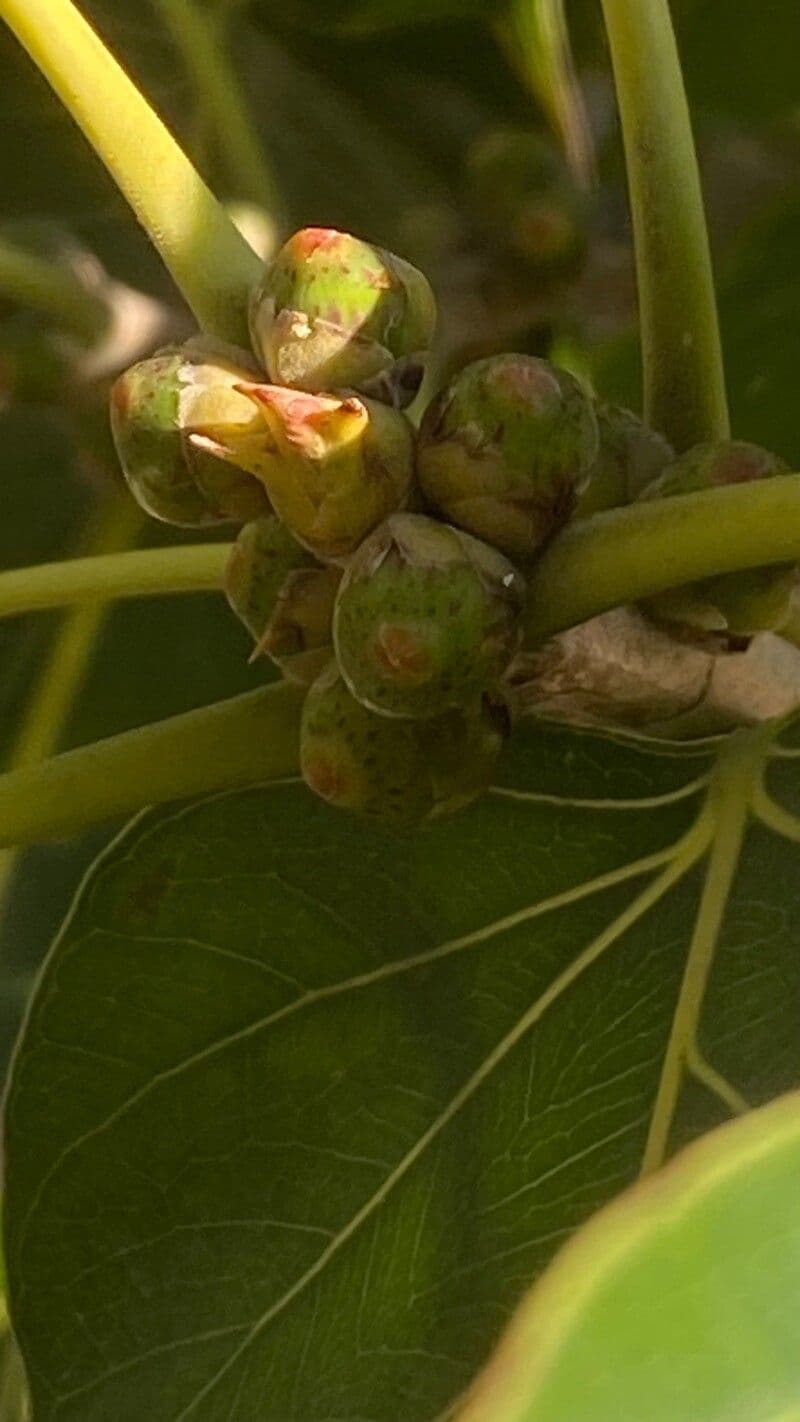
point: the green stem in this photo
(210, 262)
(52, 290)
(625, 554)
(243, 741)
(145, 572)
(684, 379)
(535, 37)
(202, 38)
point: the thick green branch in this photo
(626, 554)
(52, 290)
(211, 263)
(681, 349)
(146, 572)
(598, 563)
(239, 742)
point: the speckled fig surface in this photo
(426, 618)
(505, 450)
(395, 771)
(333, 311)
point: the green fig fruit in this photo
(398, 772)
(333, 312)
(735, 604)
(283, 597)
(630, 457)
(427, 618)
(505, 450)
(158, 406)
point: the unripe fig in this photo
(156, 409)
(506, 448)
(738, 604)
(333, 467)
(298, 636)
(399, 772)
(524, 198)
(261, 559)
(426, 618)
(332, 312)
(631, 456)
(283, 597)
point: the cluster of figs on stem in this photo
(384, 566)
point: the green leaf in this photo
(681, 1297)
(302, 1107)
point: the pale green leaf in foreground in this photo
(679, 1303)
(302, 1107)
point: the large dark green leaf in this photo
(301, 1107)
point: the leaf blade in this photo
(331, 1208)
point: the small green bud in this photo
(283, 597)
(631, 456)
(739, 604)
(333, 467)
(299, 636)
(333, 312)
(506, 448)
(261, 559)
(524, 198)
(157, 407)
(398, 772)
(426, 618)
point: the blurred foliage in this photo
(371, 110)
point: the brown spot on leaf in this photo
(146, 897)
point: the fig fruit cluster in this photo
(379, 565)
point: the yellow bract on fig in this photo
(156, 408)
(333, 467)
